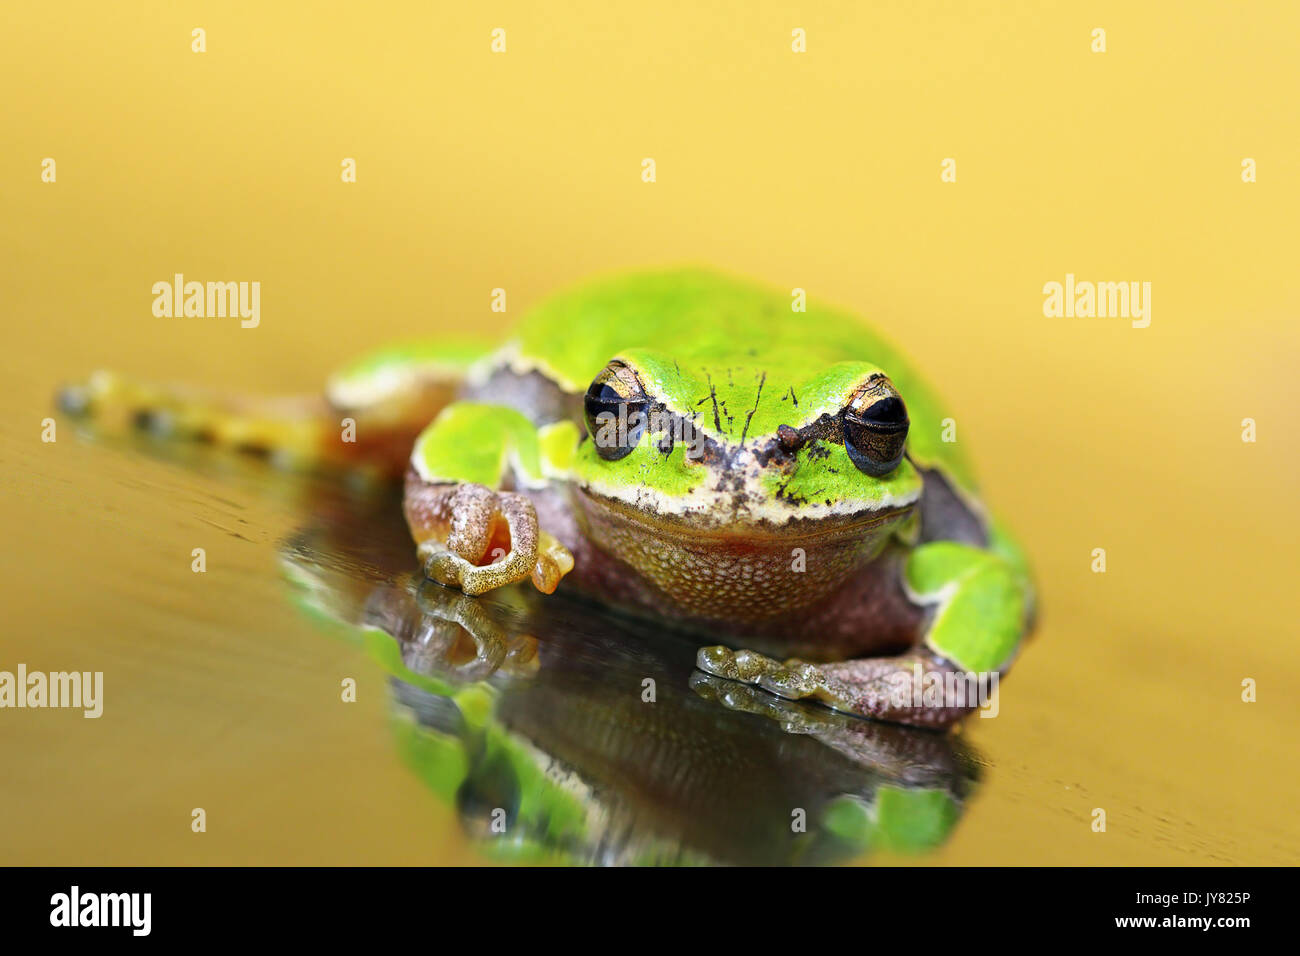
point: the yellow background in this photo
(522, 171)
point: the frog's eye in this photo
(875, 427)
(616, 407)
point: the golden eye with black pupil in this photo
(875, 427)
(616, 410)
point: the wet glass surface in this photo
(513, 727)
(561, 732)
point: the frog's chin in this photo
(734, 566)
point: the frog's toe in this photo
(484, 524)
(554, 561)
(476, 539)
(715, 661)
(719, 661)
(793, 681)
(745, 666)
(454, 571)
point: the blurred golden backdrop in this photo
(522, 170)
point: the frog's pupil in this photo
(614, 423)
(886, 412)
(876, 436)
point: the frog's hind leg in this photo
(289, 430)
(368, 417)
(917, 688)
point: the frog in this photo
(730, 460)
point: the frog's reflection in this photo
(562, 733)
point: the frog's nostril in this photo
(790, 439)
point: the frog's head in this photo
(743, 489)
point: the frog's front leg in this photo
(471, 533)
(977, 604)
(476, 539)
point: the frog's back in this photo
(686, 312)
(701, 317)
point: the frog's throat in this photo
(738, 571)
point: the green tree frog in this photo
(682, 445)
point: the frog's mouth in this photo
(739, 567)
(737, 521)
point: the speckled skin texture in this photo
(863, 629)
(796, 497)
(731, 579)
(779, 544)
(476, 539)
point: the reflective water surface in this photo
(522, 728)
(561, 732)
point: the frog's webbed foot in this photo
(910, 689)
(794, 679)
(476, 539)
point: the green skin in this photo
(735, 362)
(791, 489)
